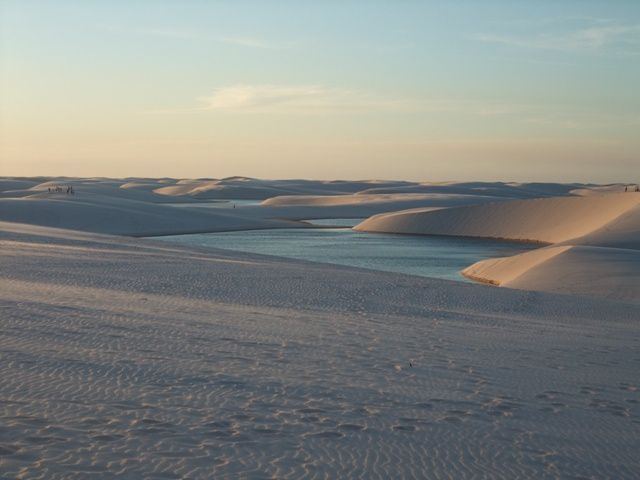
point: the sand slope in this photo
(548, 220)
(134, 206)
(446, 199)
(595, 251)
(253, 188)
(121, 216)
(132, 358)
(498, 189)
(606, 272)
(136, 211)
(622, 232)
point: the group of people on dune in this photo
(68, 189)
(628, 188)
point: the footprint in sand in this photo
(325, 434)
(310, 419)
(107, 438)
(404, 428)
(267, 431)
(9, 450)
(350, 427)
(43, 440)
(311, 410)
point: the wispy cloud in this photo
(314, 99)
(165, 32)
(320, 100)
(177, 33)
(253, 43)
(317, 99)
(589, 39)
(297, 99)
(584, 120)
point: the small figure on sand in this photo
(58, 189)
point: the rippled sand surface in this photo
(138, 359)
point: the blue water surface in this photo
(428, 256)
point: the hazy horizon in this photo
(419, 91)
(322, 179)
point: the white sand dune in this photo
(11, 184)
(502, 271)
(133, 206)
(595, 251)
(601, 189)
(498, 189)
(357, 199)
(601, 271)
(140, 185)
(548, 220)
(132, 358)
(298, 207)
(117, 215)
(621, 232)
(451, 193)
(257, 189)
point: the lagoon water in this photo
(429, 256)
(216, 203)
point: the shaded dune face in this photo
(138, 359)
(598, 271)
(256, 189)
(138, 206)
(595, 241)
(588, 215)
(547, 220)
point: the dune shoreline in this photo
(585, 215)
(138, 358)
(569, 230)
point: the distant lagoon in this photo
(427, 256)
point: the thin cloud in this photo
(309, 99)
(167, 33)
(317, 99)
(296, 99)
(585, 120)
(592, 39)
(190, 34)
(252, 43)
(243, 99)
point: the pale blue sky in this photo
(504, 90)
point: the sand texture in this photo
(133, 358)
(549, 220)
(595, 241)
(139, 207)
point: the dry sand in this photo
(138, 206)
(595, 251)
(135, 358)
(138, 359)
(434, 199)
(548, 220)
